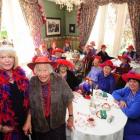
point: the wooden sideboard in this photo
(74, 41)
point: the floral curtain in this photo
(134, 10)
(33, 15)
(88, 13)
(0, 12)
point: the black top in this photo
(104, 56)
(72, 80)
(17, 98)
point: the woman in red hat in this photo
(104, 55)
(105, 79)
(128, 98)
(95, 69)
(124, 66)
(130, 52)
(57, 54)
(50, 96)
(65, 70)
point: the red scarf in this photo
(47, 100)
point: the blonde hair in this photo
(11, 53)
(49, 67)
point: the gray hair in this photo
(49, 67)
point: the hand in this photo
(122, 104)
(70, 123)
(79, 91)
(117, 102)
(6, 129)
(27, 128)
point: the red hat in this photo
(65, 62)
(130, 47)
(128, 76)
(124, 57)
(103, 46)
(39, 60)
(88, 78)
(97, 57)
(108, 63)
(57, 50)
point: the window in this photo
(112, 27)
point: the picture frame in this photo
(72, 28)
(53, 26)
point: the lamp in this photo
(68, 3)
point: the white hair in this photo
(49, 67)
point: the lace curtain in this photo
(90, 8)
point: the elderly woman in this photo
(14, 102)
(129, 100)
(57, 54)
(78, 70)
(95, 69)
(67, 46)
(104, 55)
(131, 52)
(124, 66)
(105, 79)
(64, 70)
(50, 96)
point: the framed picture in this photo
(72, 28)
(53, 26)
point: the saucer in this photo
(106, 106)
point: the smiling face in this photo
(96, 62)
(134, 85)
(7, 60)
(42, 71)
(107, 70)
(62, 68)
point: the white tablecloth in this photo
(102, 130)
(135, 65)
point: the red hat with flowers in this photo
(103, 46)
(65, 63)
(128, 76)
(40, 60)
(108, 63)
(57, 50)
(125, 57)
(130, 47)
